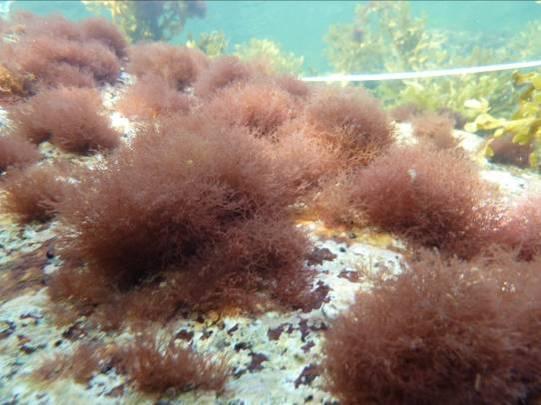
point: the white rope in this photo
(421, 75)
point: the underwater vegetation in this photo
(179, 66)
(152, 96)
(33, 194)
(259, 51)
(17, 152)
(198, 212)
(144, 362)
(520, 136)
(68, 117)
(155, 20)
(444, 331)
(435, 128)
(218, 236)
(212, 44)
(52, 52)
(222, 72)
(352, 122)
(156, 370)
(278, 61)
(386, 37)
(433, 198)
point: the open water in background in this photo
(300, 26)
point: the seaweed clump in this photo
(179, 66)
(436, 129)
(352, 122)
(151, 368)
(520, 228)
(17, 152)
(33, 194)
(433, 198)
(202, 215)
(151, 97)
(154, 369)
(222, 72)
(241, 105)
(69, 117)
(51, 51)
(442, 331)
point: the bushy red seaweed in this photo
(222, 72)
(69, 117)
(206, 217)
(436, 129)
(242, 105)
(434, 198)
(351, 121)
(442, 331)
(151, 97)
(520, 228)
(153, 367)
(51, 51)
(156, 369)
(17, 152)
(105, 32)
(179, 66)
(33, 194)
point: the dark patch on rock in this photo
(320, 327)
(116, 392)
(305, 329)
(318, 297)
(28, 349)
(206, 334)
(75, 332)
(308, 346)
(35, 318)
(51, 252)
(257, 360)
(309, 374)
(6, 329)
(349, 275)
(319, 255)
(184, 335)
(242, 346)
(233, 329)
(274, 334)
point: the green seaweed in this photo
(386, 37)
(213, 44)
(525, 123)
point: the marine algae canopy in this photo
(150, 20)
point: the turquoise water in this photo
(300, 26)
